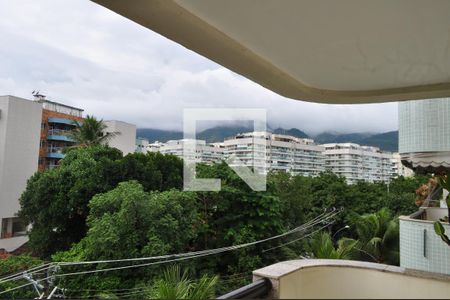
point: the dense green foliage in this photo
(322, 246)
(378, 237)
(13, 265)
(99, 205)
(56, 201)
(377, 240)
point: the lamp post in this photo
(345, 227)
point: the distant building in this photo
(266, 151)
(356, 162)
(142, 145)
(398, 168)
(204, 153)
(125, 139)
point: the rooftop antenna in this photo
(37, 95)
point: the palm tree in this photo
(91, 132)
(378, 237)
(322, 247)
(177, 285)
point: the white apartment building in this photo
(205, 153)
(266, 151)
(142, 145)
(125, 139)
(33, 135)
(356, 162)
(398, 168)
(20, 128)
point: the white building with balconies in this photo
(203, 153)
(266, 151)
(355, 162)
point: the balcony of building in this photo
(341, 279)
(56, 134)
(55, 152)
(420, 247)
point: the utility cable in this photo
(179, 257)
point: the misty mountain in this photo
(330, 137)
(387, 141)
(219, 133)
(293, 131)
(158, 134)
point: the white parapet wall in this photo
(345, 279)
(420, 247)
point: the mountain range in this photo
(387, 141)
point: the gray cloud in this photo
(83, 55)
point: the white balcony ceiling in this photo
(346, 51)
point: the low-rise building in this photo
(355, 162)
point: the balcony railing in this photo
(60, 135)
(55, 152)
(59, 132)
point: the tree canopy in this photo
(56, 201)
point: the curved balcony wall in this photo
(345, 279)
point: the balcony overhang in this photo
(347, 51)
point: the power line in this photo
(31, 271)
(320, 218)
(178, 257)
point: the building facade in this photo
(56, 123)
(142, 145)
(266, 151)
(204, 153)
(20, 123)
(355, 162)
(398, 168)
(124, 136)
(424, 139)
(33, 137)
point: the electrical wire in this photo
(179, 257)
(31, 271)
(194, 253)
(296, 240)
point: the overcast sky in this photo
(81, 54)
